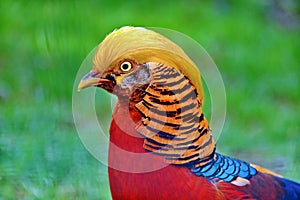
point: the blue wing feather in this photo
(225, 168)
(291, 188)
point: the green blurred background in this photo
(255, 44)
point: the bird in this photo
(161, 145)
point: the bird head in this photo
(163, 84)
(120, 62)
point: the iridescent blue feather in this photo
(225, 168)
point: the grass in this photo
(44, 43)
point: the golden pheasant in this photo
(158, 124)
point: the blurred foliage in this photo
(254, 43)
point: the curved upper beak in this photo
(90, 79)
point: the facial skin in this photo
(131, 77)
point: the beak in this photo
(90, 79)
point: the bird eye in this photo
(126, 66)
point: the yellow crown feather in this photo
(143, 45)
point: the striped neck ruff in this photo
(172, 123)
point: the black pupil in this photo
(125, 66)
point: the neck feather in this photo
(172, 122)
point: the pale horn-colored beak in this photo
(90, 79)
